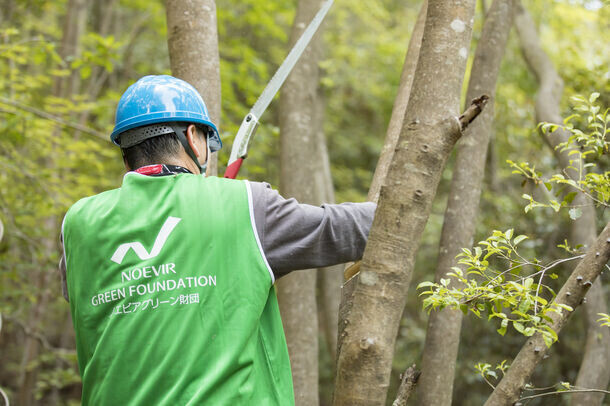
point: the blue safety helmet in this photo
(162, 99)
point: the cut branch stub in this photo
(475, 108)
(468, 116)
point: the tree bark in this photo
(408, 381)
(387, 152)
(572, 294)
(429, 132)
(298, 148)
(443, 334)
(594, 370)
(400, 105)
(330, 278)
(192, 39)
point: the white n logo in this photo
(139, 249)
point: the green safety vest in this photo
(172, 298)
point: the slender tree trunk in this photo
(400, 105)
(329, 278)
(387, 152)
(297, 291)
(74, 26)
(103, 13)
(435, 387)
(429, 132)
(572, 294)
(192, 39)
(594, 370)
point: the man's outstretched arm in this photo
(301, 236)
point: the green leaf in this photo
(426, 285)
(555, 205)
(519, 327)
(548, 340)
(519, 238)
(503, 325)
(593, 97)
(568, 198)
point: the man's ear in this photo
(196, 143)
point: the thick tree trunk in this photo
(297, 291)
(594, 370)
(435, 387)
(428, 134)
(192, 39)
(572, 294)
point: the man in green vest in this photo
(170, 277)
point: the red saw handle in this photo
(233, 169)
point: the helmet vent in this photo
(137, 135)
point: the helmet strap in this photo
(180, 133)
(204, 167)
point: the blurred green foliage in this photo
(45, 166)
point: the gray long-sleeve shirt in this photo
(301, 236)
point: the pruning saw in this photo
(248, 126)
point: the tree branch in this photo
(571, 294)
(53, 118)
(475, 108)
(407, 384)
(562, 392)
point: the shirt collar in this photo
(161, 170)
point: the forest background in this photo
(64, 65)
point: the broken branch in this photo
(475, 108)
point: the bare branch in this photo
(475, 108)
(53, 118)
(562, 392)
(407, 384)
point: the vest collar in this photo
(161, 170)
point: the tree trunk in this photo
(435, 387)
(429, 132)
(594, 372)
(192, 39)
(69, 49)
(400, 105)
(572, 294)
(297, 291)
(387, 152)
(329, 278)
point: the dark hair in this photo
(155, 150)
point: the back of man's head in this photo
(161, 149)
(152, 118)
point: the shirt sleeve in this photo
(301, 236)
